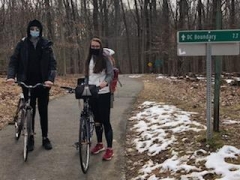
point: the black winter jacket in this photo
(19, 61)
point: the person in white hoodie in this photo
(99, 71)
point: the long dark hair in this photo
(100, 60)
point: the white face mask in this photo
(34, 33)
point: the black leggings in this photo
(101, 110)
(42, 94)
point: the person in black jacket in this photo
(33, 62)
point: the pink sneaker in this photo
(108, 154)
(98, 148)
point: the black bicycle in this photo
(23, 118)
(86, 126)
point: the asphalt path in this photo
(62, 162)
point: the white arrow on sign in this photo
(183, 37)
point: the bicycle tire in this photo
(27, 132)
(84, 143)
(18, 119)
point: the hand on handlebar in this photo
(48, 83)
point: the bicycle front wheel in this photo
(84, 143)
(27, 132)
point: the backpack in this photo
(115, 80)
(109, 52)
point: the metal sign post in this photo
(209, 84)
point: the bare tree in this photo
(50, 27)
(128, 38)
(139, 35)
(95, 18)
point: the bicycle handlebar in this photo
(30, 86)
(72, 90)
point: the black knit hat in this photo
(34, 23)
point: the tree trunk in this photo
(127, 35)
(95, 19)
(50, 29)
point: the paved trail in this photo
(62, 162)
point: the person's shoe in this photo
(108, 154)
(31, 143)
(46, 144)
(98, 148)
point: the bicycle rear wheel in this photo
(27, 132)
(84, 143)
(18, 119)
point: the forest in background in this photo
(141, 32)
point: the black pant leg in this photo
(43, 100)
(104, 106)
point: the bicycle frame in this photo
(86, 128)
(26, 117)
(27, 105)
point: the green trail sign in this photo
(209, 36)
